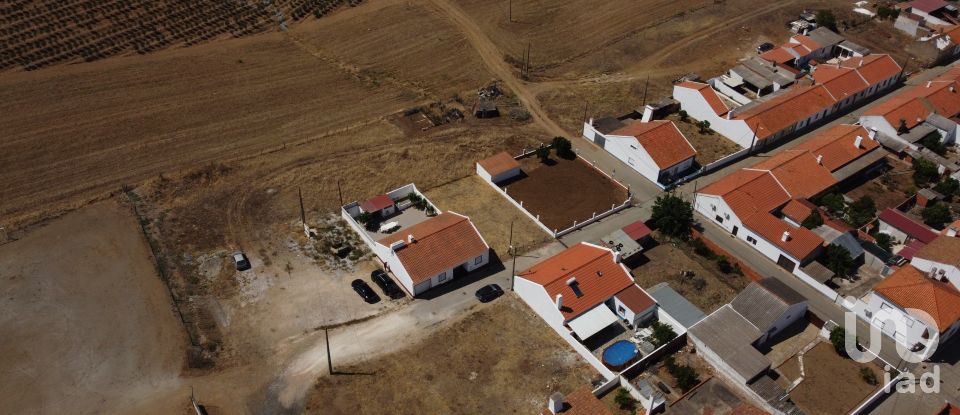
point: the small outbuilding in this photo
(381, 205)
(498, 168)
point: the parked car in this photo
(765, 47)
(489, 293)
(897, 260)
(367, 293)
(241, 261)
(390, 288)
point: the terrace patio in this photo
(404, 218)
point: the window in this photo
(752, 240)
(885, 306)
(478, 260)
(714, 207)
(442, 277)
(575, 286)
(621, 310)
(719, 219)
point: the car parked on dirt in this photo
(488, 293)
(765, 47)
(367, 293)
(241, 261)
(390, 288)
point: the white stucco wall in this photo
(794, 313)
(925, 265)
(876, 122)
(697, 107)
(628, 150)
(904, 328)
(897, 234)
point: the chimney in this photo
(820, 159)
(857, 141)
(572, 281)
(616, 257)
(872, 133)
(929, 83)
(952, 88)
(933, 273)
(952, 231)
(786, 236)
(647, 113)
(559, 301)
(555, 404)
(410, 239)
(591, 121)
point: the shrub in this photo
(737, 270)
(884, 241)
(885, 12)
(937, 215)
(839, 261)
(723, 264)
(948, 188)
(924, 172)
(703, 126)
(833, 202)
(564, 148)
(837, 337)
(862, 211)
(623, 399)
(701, 248)
(868, 376)
(687, 377)
(673, 216)
(932, 142)
(826, 19)
(543, 153)
(671, 363)
(662, 333)
(812, 221)
(683, 116)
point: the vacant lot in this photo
(563, 191)
(87, 324)
(491, 214)
(710, 146)
(469, 367)
(832, 384)
(888, 189)
(708, 288)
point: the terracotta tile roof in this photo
(908, 251)
(598, 277)
(798, 209)
(662, 140)
(842, 82)
(798, 173)
(637, 230)
(778, 55)
(943, 249)
(789, 108)
(954, 33)
(801, 243)
(909, 287)
(709, 95)
(581, 402)
(807, 42)
(376, 203)
(836, 145)
(761, 195)
(948, 409)
(440, 243)
(874, 67)
(919, 101)
(635, 298)
(927, 6)
(499, 163)
(730, 182)
(908, 226)
(954, 225)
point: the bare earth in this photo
(665, 264)
(832, 383)
(88, 326)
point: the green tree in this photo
(687, 377)
(812, 221)
(624, 400)
(948, 188)
(723, 264)
(683, 115)
(701, 248)
(884, 241)
(932, 142)
(924, 172)
(673, 216)
(868, 376)
(833, 202)
(862, 211)
(662, 333)
(543, 153)
(564, 148)
(826, 19)
(886, 13)
(937, 215)
(839, 261)
(837, 338)
(703, 126)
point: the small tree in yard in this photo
(833, 202)
(703, 126)
(624, 400)
(701, 248)
(662, 333)
(543, 153)
(932, 142)
(812, 221)
(948, 188)
(839, 261)
(884, 241)
(723, 264)
(673, 216)
(837, 338)
(862, 211)
(687, 377)
(683, 115)
(924, 172)
(826, 19)
(868, 376)
(937, 215)
(564, 148)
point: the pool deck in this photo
(608, 336)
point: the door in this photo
(600, 140)
(735, 229)
(786, 263)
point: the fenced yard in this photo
(831, 383)
(562, 193)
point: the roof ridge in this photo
(602, 252)
(459, 218)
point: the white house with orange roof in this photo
(941, 256)
(582, 291)
(928, 106)
(794, 109)
(948, 42)
(654, 148)
(913, 307)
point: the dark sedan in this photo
(489, 293)
(390, 288)
(365, 291)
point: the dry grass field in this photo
(471, 366)
(832, 383)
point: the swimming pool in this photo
(619, 354)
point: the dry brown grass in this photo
(499, 360)
(832, 383)
(710, 146)
(491, 213)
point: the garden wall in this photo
(747, 270)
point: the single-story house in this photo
(680, 310)
(433, 252)
(729, 337)
(901, 227)
(498, 168)
(948, 43)
(583, 290)
(910, 296)
(381, 205)
(934, 104)
(656, 149)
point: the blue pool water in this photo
(619, 353)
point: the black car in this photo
(764, 47)
(489, 293)
(365, 291)
(390, 288)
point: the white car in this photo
(241, 261)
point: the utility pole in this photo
(326, 336)
(526, 65)
(303, 215)
(645, 86)
(585, 104)
(339, 192)
(510, 12)
(513, 258)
